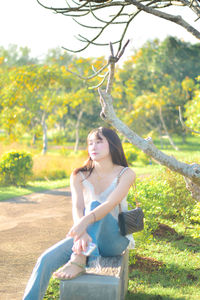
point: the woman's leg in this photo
(106, 235)
(52, 259)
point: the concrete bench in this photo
(107, 281)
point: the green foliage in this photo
(130, 152)
(162, 197)
(144, 158)
(53, 291)
(15, 168)
(64, 151)
(165, 266)
(154, 77)
(195, 218)
(192, 107)
(132, 155)
(59, 138)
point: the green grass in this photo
(192, 143)
(168, 267)
(32, 187)
(142, 170)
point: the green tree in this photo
(29, 97)
(16, 56)
(192, 109)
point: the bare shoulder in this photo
(129, 175)
(75, 178)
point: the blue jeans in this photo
(104, 233)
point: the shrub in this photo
(15, 168)
(131, 156)
(130, 152)
(144, 158)
(59, 138)
(195, 218)
(163, 197)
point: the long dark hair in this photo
(115, 147)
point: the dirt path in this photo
(29, 225)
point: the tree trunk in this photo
(193, 188)
(45, 140)
(34, 139)
(77, 130)
(191, 171)
(160, 136)
(165, 129)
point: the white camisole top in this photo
(90, 196)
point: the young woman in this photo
(97, 190)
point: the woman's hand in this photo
(79, 229)
(81, 244)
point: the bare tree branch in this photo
(91, 76)
(100, 84)
(176, 19)
(128, 9)
(193, 188)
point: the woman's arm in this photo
(77, 197)
(78, 211)
(125, 182)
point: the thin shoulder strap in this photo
(121, 172)
(82, 175)
(134, 185)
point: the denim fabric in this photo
(104, 233)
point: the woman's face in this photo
(98, 147)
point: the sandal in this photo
(82, 266)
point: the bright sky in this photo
(26, 23)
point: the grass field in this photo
(168, 267)
(32, 187)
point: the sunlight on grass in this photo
(177, 273)
(53, 166)
(142, 170)
(32, 187)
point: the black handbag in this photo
(131, 221)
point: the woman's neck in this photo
(104, 167)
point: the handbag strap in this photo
(134, 185)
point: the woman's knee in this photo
(44, 259)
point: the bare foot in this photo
(72, 269)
